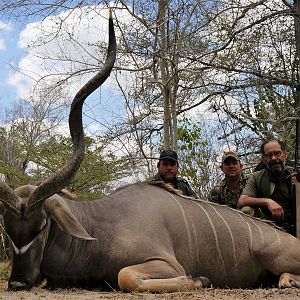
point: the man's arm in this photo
(191, 192)
(185, 187)
(214, 195)
(246, 200)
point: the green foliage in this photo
(29, 158)
(98, 169)
(23, 161)
(195, 153)
(5, 271)
(272, 116)
(13, 158)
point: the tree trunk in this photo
(170, 121)
(297, 109)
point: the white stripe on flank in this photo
(251, 239)
(250, 232)
(215, 234)
(277, 234)
(260, 231)
(187, 229)
(257, 225)
(230, 232)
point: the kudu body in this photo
(140, 237)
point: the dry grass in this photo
(79, 294)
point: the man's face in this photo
(274, 157)
(232, 168)
(167, 169)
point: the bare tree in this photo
(238, 56)
(255, 57)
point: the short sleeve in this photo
(250, 188)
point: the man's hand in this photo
(294, 178)
(276, 209)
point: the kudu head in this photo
(28, 210)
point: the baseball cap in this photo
(169, 154)
(230, 154)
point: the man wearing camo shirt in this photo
(167, 167)
(228, 191)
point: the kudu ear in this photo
(65, 219)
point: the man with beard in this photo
(228, 191)
(167, 172)
(270, 189)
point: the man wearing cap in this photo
(167, 172)
(228, 191)
(269, 190)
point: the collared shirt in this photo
(178, 183)
(261, 185)
(223, 194)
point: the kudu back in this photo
(139, 238)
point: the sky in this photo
(16, 51)
(10, 53)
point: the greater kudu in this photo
(144, 237)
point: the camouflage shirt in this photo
(178, 183)
(223, 194)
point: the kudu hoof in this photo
(205, 282)
(16, 286)
(288, 280)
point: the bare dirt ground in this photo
(79, 294)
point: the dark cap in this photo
(168, 154)
(230, 154)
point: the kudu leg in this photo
(157, 277)
(287, 280)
